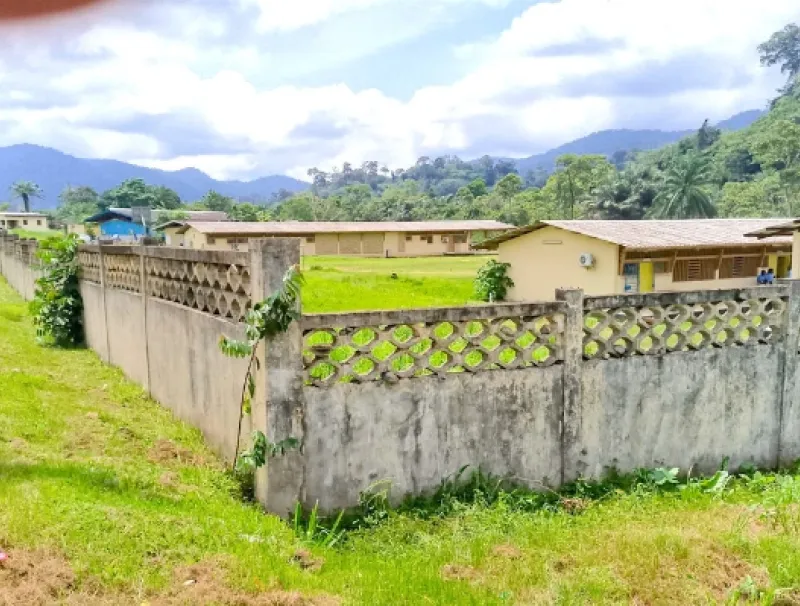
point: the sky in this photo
(246, 88)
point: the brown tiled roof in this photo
(650, 235)
(275, 228)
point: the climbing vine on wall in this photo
(262, 322)
(57, 306)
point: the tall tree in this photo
(783, 48)
(26, 190)
(216, 201)
(130, 193)
(683, 194)
(76, 204)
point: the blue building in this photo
(118, 223)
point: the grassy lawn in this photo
(36, 235)
(355, 284)
(106, 499)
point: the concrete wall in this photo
(18, 264)
(417, 432)
(577, 415)
(27, 221)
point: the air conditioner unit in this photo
(586, 260)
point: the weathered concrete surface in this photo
(126, 333)
(94, 323)
(417, 432)
(789, 450)
(190, 375)
(20, 273)
(684, 409)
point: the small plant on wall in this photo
(493, 281)
(57, 306)
(264, 321)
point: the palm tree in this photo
(682, 195)
(26, 190)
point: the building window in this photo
(460, 238)
(694, 270)
(310, 239)
(660, 267)
(738, 267)
(445, 240)
(409, 238)
(428, 239)
(24, 221)
(236, 241)
(38, 221)
(211, 240)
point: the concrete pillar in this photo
(102, 263)
(789, 414)
(796, 254)
(143, 292)
(571, 424)
(279, 408)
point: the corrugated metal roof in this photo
(271, 228)
(651, 235)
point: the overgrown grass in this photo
(94, 471)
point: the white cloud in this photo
(559, 71)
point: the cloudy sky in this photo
(244, 88)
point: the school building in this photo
(373, 239)
(611, 257)
(22, 220)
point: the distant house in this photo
(22, 220)
(611, 257)
(376, 239)
(119, 223)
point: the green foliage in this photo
(57, 306)
(26, 190)
(683, 194)
(76, 204)
(310, 530)
(135, 192)
(783, 48)
(263, 321)
(493, 281)
(216, 201)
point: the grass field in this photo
(354, 284)
(106, 499)
(36, 235)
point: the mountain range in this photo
(607, 142)
(53, 170)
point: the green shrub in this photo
(493, 282)
(57, 306)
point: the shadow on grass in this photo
(90, 479)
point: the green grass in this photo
(36, 235)
(79, 480)
(356, 284)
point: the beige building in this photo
(611, 257)
(376, 239)
(786, 229)
(22, 220)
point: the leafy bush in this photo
(493, 282)
(57, 306)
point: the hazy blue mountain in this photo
(607, 142)
(54, 170)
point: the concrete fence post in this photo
(102, 264)
(571, 418)
(789, 414)
(280, 409)
(143, 293)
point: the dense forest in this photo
(753, 172)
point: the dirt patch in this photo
(166, 451)
(34, 577)
(460, 572)
(574, 506)
(727, 571)
(306, 560)
(787, 597)
(506, 551)
(93, 415)
(563, 564)
(203, 584)
(18, 444)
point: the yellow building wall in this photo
(796, 255)
(172, 238)
(547, 259)
(327, 244)
(23, 221)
